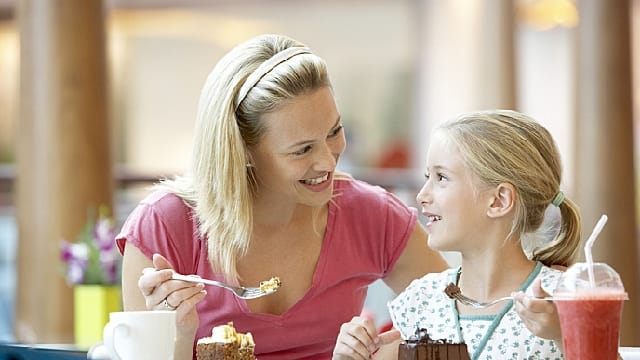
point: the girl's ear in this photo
(502, 201)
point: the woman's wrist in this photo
(184, 345)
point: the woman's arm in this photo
(132, 264)
(416, 260)
(149, 291)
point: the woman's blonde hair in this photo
(503, 146)
(221, 181)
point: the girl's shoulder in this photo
(436, 279)
(429, 286)
(424, 304)
(549, 278)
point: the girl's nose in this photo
(424, 195)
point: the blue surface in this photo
(24, 352)
(8, 236)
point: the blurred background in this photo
(98, 101)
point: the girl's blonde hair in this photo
(503, 146)
(221, 181)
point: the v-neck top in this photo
(367, 230)
(424, 304)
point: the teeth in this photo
(316, 181)
(434, 217)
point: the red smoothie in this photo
(590, 326)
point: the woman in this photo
(262, 199)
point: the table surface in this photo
(630, 353)
(70, 352)
(41, 351)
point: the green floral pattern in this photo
(424, 304)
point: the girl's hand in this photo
(539, 316)
(359, 339)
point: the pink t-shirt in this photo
(367, 229)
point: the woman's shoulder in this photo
(369, 203)
(164, 201)
(347, 183)
(161, 206)
(350, 189)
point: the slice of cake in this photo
(270, 285)
(225, 344)
(420, 347)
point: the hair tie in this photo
(265, 68)
(558, 199)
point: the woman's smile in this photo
(319, 183)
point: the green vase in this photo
(91, 307)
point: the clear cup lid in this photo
(575, 282)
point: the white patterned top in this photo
(423, 304)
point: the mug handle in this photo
(109, 337)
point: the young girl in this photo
(492, 189)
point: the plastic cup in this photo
(590, 312)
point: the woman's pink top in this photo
(367, 229)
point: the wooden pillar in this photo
(604, 138)
(64, 157)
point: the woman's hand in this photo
(359, 339)
(149, 291)
(539, 316)
(162, 293)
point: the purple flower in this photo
(75, 272)
(104, 234)
(109, 261)
(65, 251)
(94, 259)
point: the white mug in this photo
(141, 335)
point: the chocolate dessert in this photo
(420, 347)
(225, 344)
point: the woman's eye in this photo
(335, 131)
(302, 151)
(441, 177)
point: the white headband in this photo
(265, 68)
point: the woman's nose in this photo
(327, 160)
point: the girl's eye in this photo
(439, 176)
(335, 131)
(302, 151)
